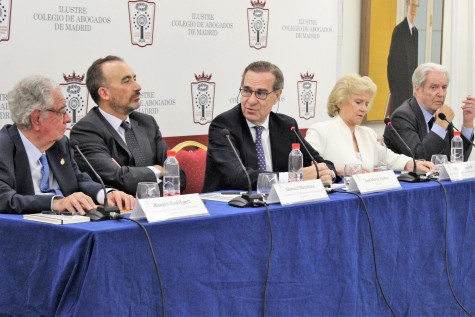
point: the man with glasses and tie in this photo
(123, 145)
(417, 119)
(37, 167)
(262, 138)
(402, 59)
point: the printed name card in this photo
(297, 192)
(168, 208)
(458, 171)
(374, 182)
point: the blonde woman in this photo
(342, 139)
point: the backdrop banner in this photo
(188, 55)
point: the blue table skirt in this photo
(322, 262)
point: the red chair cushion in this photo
(193, 164)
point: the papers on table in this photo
(57, 219)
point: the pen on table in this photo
(63, 213)
(232, 193)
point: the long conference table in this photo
(322, 261)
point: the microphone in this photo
(442, 116)
(411, 177)
(102, 212)
(292, 128)
(248, 199)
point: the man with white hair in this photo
(417, 120)
(37, 167)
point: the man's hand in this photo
(468, 110)
(76, 202)
(449, 114)
(120, 199)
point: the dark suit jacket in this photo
(409, 121)
(223, 170)
(109, 155)
(17, 193)
(402, 61)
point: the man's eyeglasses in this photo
(260, 94)
(61, 112)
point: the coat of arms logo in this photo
(307, 95)
(75, 92)
(141, 20)
(202, 94)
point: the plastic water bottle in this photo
(295, 164)
(171, 177)
(381, 154)
(456, 148)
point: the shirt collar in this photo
(265, 124)
(113, 121)
(427, 114)
(31, 150)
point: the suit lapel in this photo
(113, 132)
(278, 144)
(247, 147)
(23, 178)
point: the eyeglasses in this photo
(260, 94)
(61, 112)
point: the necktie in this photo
(44, 181)
(261, 159)
(431, 123)
(133, 145)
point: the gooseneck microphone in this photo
(248, 199)
(102, 212)
(411, 177)
(442, 116)
(292, 128)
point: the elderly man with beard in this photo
(123, 145)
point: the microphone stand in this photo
(442, 116)
(248, 199)
(105, 209)
(410, 177)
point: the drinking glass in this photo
(147, 190)
(350, 170)
(438, 160)
(265, 181)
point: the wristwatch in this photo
(333, 176)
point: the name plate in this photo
(168, 208)
(374, 182)
(297, 192)
(458, 171)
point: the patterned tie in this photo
(261, 159)
(431, 123)
(133, 145)
(44, 181)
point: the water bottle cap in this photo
(171, 153)
(295, 146)
(456, 133)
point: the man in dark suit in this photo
(37, 168)
(102, 133)
(417, 119)
(252, 124)
(402, 59)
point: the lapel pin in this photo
(62, 161)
